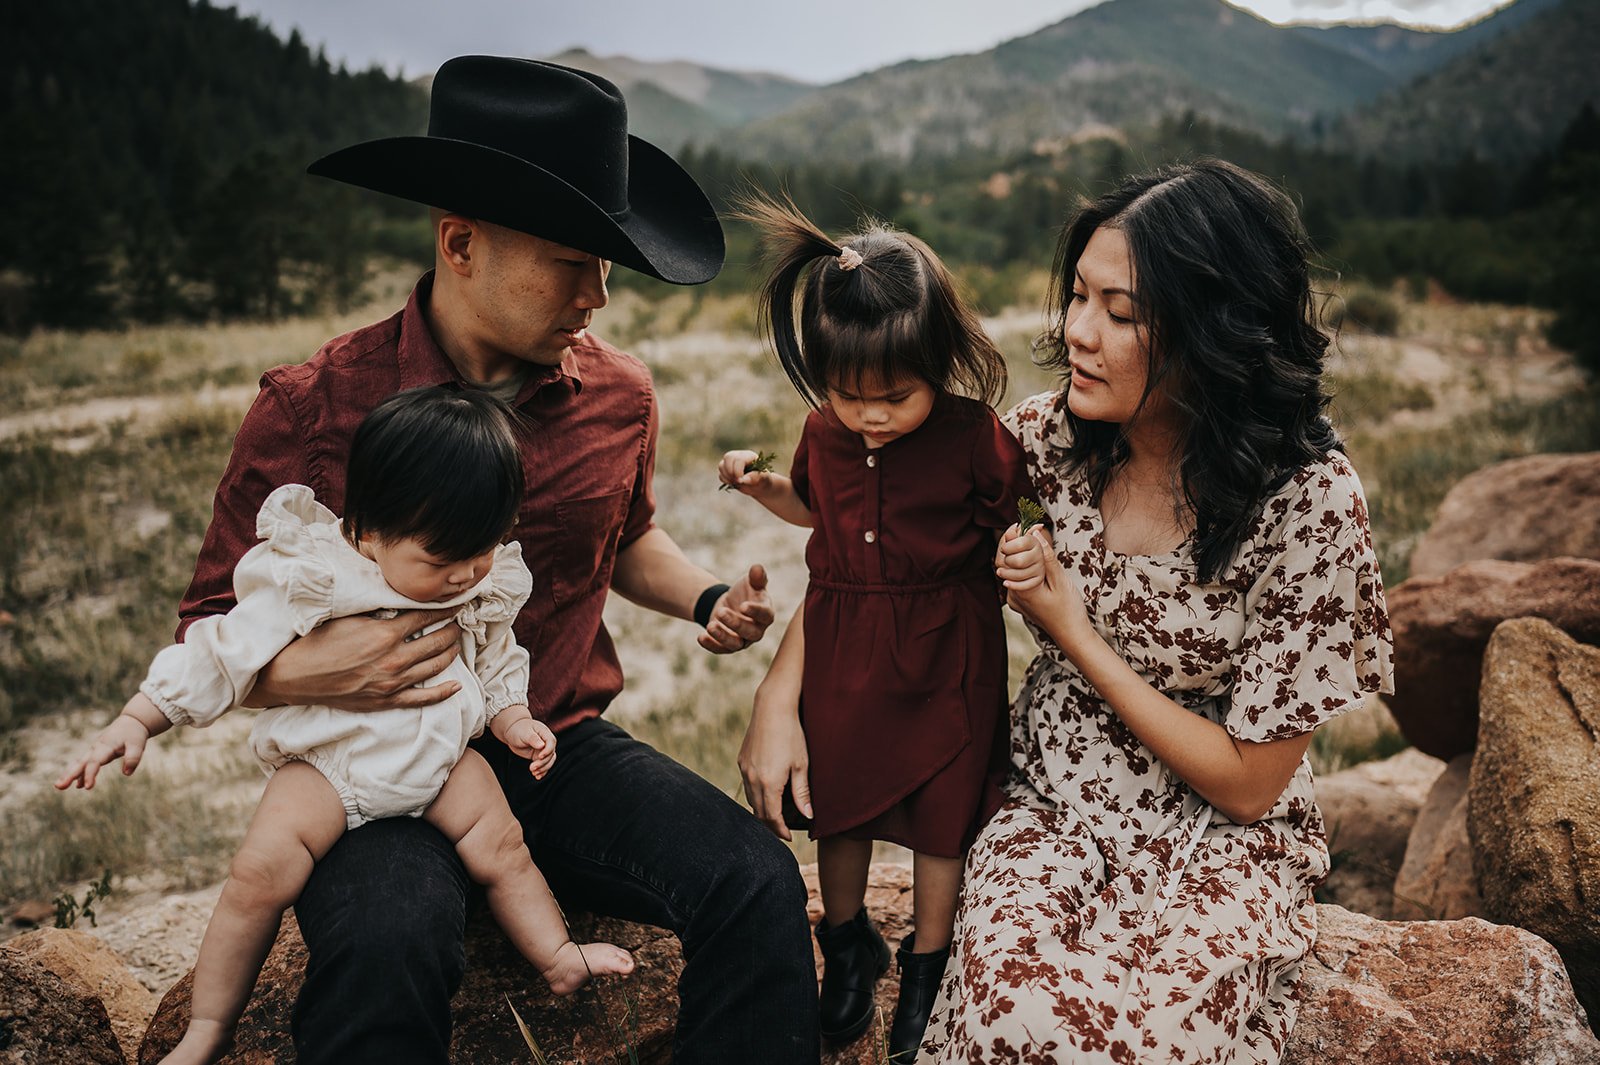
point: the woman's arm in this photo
(774, 752)
(1241, 778)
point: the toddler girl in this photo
(896, 661)
(435, 479)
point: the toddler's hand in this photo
(731, 472)
(534, 741)
(124, 737)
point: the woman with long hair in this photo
(1206, 596)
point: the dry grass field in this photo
(111, 444)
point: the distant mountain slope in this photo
(1125, 63)
(675, 102)
(1407, 53)
(1504, 100)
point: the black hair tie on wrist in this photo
(706, 603)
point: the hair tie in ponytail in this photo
(849, 258)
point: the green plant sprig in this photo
(1029, 514)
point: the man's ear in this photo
(453, 236)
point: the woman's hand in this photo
(773, 756)
(362, 663)
(1037, 587)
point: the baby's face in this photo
(416, 573)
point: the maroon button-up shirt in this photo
(588, 457)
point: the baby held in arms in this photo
(435, 480)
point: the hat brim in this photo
(670, 230)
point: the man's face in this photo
(532, 299)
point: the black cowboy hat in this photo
(545, 149)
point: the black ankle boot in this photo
(854, 955)
(919, 986)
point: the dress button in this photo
(872, 460)
(870, 537)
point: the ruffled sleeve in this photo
(1316, 638)
(297, 555)
(213, 669)
(999, 474)
(500, 663)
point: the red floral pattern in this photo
(1109, 914)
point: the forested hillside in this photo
(156, 149)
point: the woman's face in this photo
(1105, 340)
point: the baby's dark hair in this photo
(894, 315)
(440, 465)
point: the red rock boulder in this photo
(1542, 506)
(1442, 625)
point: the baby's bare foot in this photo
(202, 1044)
(574, 964)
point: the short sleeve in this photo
(800, 470)
(641, 515)
(1316, 635)
(999, 474)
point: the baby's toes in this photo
(605, 958)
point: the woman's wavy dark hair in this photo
(896, 315)
(438, 464)
(1227, 317)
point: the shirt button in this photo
(872, 460)
(870, 537)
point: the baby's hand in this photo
(125, 737)
(534, 741)
(732, 472)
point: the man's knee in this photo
(395, 901)
(759, 880)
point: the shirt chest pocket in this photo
(587, 531)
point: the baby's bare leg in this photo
(299, 818)
(471, 810)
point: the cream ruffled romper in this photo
(383, 763)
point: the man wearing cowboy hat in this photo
(536, 188)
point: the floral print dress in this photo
(1109, 914)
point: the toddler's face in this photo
(417, 573)
(882, 411)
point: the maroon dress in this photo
(904, 692)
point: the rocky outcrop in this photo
(596, 1024)
(45, 1020)
(1466, 992)
(1436, 881)
(86, 964)
(1370, 810)
(1374, 993)
(1543, 506)
(1442, 625)
(1534, 800)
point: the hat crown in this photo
(571, 123)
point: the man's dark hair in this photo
(894, 315)
(1226, 314)
(437, 464)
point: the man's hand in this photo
(741, 616)
(362, 663)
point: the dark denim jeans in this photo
(617, 828)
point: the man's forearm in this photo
(653, 572)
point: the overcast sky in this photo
(814, 40)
